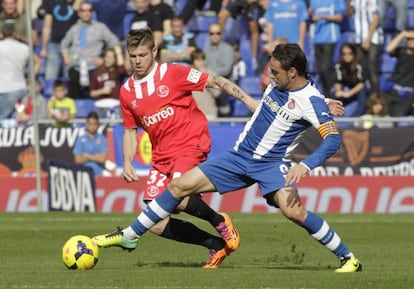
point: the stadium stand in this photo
(84, 106)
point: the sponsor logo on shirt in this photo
(158, 116)
(275, 107)
(163, 91)
(194, 75)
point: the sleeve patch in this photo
(194, 75)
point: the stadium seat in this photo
(235, 29)
(240, 109)
(388, 36)
(410, 19)
(384, 83)
(245, 49)
(200, 23)
(47, 87)
(127, 22)
(202, 40)
(179, 6)
(251, 84)
(410, 4)
(311, 63)
(388, 23)
(387, 63)
(84, 106)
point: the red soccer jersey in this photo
(163, 105)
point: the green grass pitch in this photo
(274, 254)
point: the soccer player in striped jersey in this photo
(290, 105)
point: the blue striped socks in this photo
(320, 230)
(158, 209)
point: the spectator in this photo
(164, 12)
(61, 107)
(206, 100)
(349, 85)
(249, 9)
(400, 95)
(14, 57)
(25, 108)
(368, 37)
(286, 18)
(145, 17)
(90, 148)
(376, 107)
(177, 46)
(326, 16)
(265, 75)
(401, 12)
(197, 6)
(58, 19)
(112, 14)
(239, 66)
(106, 79)
(13, 13)
(220, 60)
(82, 47)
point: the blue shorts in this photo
(230, 171)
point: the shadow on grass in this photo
(171, 264)
(299, 268)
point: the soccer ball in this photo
(80, 252)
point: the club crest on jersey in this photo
(194, 75)
(153, 191)
(134, 104)
(163, 91)
(291, 104)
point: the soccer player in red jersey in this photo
(158, 98)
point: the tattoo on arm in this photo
(228, 87)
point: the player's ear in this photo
(155, 51)
(292, 72)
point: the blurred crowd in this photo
(359, 51)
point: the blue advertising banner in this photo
(71, 188)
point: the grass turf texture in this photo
(273, 254)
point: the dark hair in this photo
(376, 98)
(177, 18)
(93, 115)
(138, 37)
(59, 83)
(350, 67)
(8, 29)
(197, 54)
(291, 55)
(112, 70)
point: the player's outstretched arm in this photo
(230, 88)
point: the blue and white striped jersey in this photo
(280, 120)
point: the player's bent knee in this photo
(179, 189)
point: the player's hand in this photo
(129, 174)
(295, 173)
(336, 107)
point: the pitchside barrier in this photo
(372, 172)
